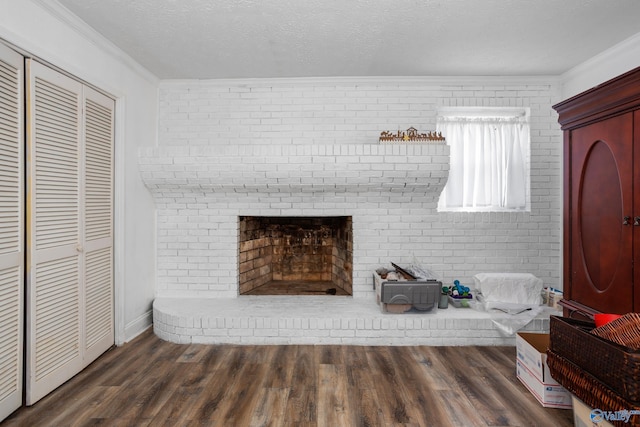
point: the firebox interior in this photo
(295, 255)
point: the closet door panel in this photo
(98, 224)
(11, 229)
(54, 203)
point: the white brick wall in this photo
(197, 236)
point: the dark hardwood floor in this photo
(150, 382)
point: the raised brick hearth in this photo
(323, 320)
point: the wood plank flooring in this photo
(150, 382)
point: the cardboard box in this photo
(582, 415)
(533, 372)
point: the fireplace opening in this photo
(295, 255)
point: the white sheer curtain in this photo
(489, 160)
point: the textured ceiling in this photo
(198, 39)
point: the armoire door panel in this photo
(601, 196)
(600, 216)
(11, 229)
(636, 210)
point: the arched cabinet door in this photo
(601, 215)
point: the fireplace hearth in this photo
(295, 255)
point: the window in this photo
(489, 168)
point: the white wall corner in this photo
(137, 326)
(45, 30)
(623, 57)
(119, 224)
(64, 15)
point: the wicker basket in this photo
(588, 389)
(615, 366)
(624, 331)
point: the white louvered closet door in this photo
(11, 229)
(53, 233)
(98, 223)
(69, 235)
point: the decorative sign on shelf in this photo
(410, 135)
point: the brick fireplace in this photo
(310, 148)
(388, 192)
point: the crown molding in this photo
(368, 81)
(64, 15)
(608, 64)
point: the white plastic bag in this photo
(516, 288)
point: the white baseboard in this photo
(138, 326)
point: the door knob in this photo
(636, 221)
(625, 220)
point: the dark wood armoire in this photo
(601, 213)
